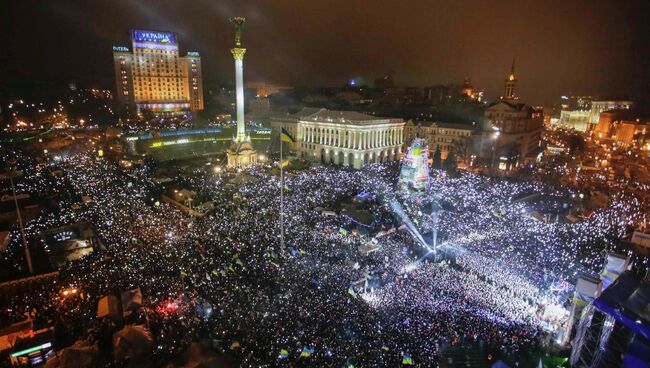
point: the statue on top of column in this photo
(238, 22)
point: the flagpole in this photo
(281, 196)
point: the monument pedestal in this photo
(241, 154)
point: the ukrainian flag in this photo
(406, 359)
(306, 352)
(286, 137)
(284, 353)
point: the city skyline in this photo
(327, 184)
(422, 43)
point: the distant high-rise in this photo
(510, 89)
(154, 77)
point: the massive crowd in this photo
(317, 301)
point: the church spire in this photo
(511, 84)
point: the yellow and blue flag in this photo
(407, 360)
(306, 352)
(283, 354)
(286, 137)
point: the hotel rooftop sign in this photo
(153, 36)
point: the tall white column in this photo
(239, 82)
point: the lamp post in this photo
(11, 175)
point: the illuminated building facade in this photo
(601, 105)
(345, 138)
(512, 130)
(152, 76)
(583, 113)
(577, 120)
(446, 137)
(626, 128)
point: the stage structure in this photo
(614, 329)
(241, 153)
(414, 174)
(589, 288)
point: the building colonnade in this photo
(353, 139)
(350, 145)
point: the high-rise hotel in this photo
(154, 77)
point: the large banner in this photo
(615, 266)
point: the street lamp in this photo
(11, 175)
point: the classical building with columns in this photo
(345, 138)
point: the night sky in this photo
(561, 46)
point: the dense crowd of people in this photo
(228, 280)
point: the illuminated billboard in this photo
(153, 36)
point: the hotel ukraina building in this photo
(154, 77)
(344, 138)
